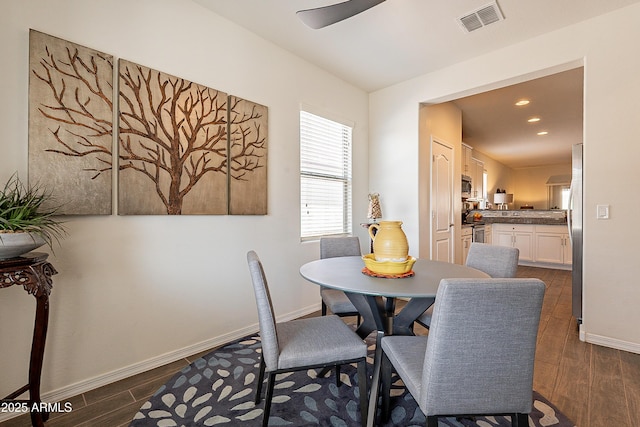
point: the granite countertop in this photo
(528, 216)
(525, 220)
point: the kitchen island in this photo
(542, 236)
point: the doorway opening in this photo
(516, 158)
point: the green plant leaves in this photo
(22, 210)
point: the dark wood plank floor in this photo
(594, 386)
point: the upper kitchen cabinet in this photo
(473, 168)
(477, 174)
(467, 155)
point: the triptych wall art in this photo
(180, 148)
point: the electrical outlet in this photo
(602, 211)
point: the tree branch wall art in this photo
(247, 157)
(182, 148)
(70, 123)
(173, 145)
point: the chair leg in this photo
(324, 309)
(259, 381)
(432, 421)
(385, 373)
(358, 321)
(338, 382)
(271, 379)
(520, 420)
(362, 387)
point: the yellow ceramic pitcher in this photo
(389, 242)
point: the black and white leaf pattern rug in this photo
(218, 389)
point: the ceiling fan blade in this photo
(324, 16)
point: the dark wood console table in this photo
(33, 273)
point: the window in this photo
(485, 178)
(566, 198)
(325, 177)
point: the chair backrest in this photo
(496, 261)
(266, 315)
(481, 347)
(331, 247)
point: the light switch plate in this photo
(602, 212)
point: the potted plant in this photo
(25, 221)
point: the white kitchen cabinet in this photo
(488, 231)
(477, 175)
(552, 244)
(568, 252)
(466, 159)
(473, 168)
(467, 238)
(515, 235)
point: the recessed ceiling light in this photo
(544, 132)
(534, 119)
(522, 102)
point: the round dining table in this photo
(366, 292)
(375, 297)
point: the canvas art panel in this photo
(182, 148)
(172, 145)
(71, 124)
(247, 157)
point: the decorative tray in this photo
(389, 268)
(368, 272)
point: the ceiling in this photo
(494, 125)
(401, 39)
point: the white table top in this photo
(345, 274)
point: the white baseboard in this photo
(298, 313)
(610, 342)
(553, 266)
(64, 393)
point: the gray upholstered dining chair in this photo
(496, 261)
(335, 300)
(302, 344)
(479, 354)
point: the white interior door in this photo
(442, 202)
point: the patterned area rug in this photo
(219, 388)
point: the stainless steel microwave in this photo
(466, 186)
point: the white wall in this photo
(142, 289)
(442, 123)
(530, 185)
(498, 175)
(605, 46)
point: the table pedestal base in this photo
(379, 316)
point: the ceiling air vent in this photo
(481, 18)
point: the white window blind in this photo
(325, 177)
